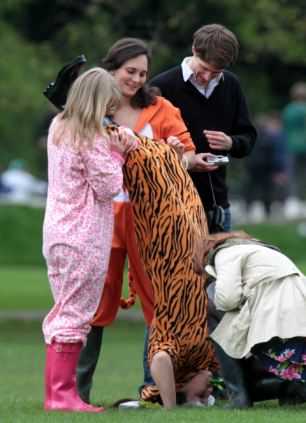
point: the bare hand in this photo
(200, 164)
(115, 143)
(128, 139)
(198, 388)
(218, 140)
(177, 145)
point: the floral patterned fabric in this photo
(286, 358)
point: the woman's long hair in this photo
(205, 245)
(92, 95)
(119, 53)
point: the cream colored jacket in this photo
(263, 294)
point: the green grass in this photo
(24, 286)
(27, 288)
(23, 274)
(283, 235)
(118, 375)
(21, 235)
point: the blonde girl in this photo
(85, 174)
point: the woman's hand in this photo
(177, 145)
(218, 140)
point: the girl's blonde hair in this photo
(93, 95)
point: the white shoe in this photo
(129, 404)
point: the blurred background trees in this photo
(37, 37)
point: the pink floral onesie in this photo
(77, 233)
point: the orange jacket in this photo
(165, 120)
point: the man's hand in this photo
(218, 140)
(199, 163)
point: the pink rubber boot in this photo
(60, 379)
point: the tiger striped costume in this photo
(168, 216)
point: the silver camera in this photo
(218, 160)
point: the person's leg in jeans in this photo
(228, 220)
(147, 377)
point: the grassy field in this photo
(23, 275)
(21, 234)
(118, 375)
(27, 288)
(24, 287)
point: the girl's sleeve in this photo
(103, 170)
(229, 292)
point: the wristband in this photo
(186, 162)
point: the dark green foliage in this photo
(24, 74)
(37, 37)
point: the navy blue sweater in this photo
(225, 110)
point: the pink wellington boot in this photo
(60, 379)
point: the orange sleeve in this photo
(180, 129)
(173, 123)
(168, 121)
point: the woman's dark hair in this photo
(126, 49)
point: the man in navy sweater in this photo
(214, 109)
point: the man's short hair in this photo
(216, 44)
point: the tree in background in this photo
(37, 37)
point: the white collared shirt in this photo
(188, 74)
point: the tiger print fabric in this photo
(169, 216)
